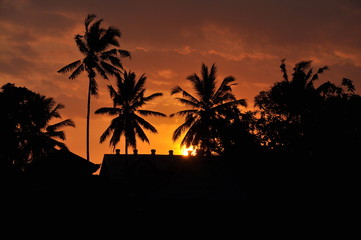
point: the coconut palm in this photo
(128, 98)
(39, 136)
(29, 133)
(209, 107)
(99, 58)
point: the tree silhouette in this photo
(298, 117)
(99, 58)
(27, 133)
(128, 98)
(209, 110)
(288, 105)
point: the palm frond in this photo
(189, 103)
(49, 135)
(108, 111)
(106, 134)
(182, 128)
(130, 137)
(70, 67)
(141, 134)
(198, 85)
(192, 137)
(183, 113)
(115, 61)
(101, 71)
(223, 89)
(185, 94)
(124, 53)
(152, 96)
(112, 52)
(95, 29)
(89, 18)
(109, 68)
(176, 89)
(145, 124)
(213, 72)
(151, 113)
(77, 71)
(52, 143)
(82, 46)
(54, 113)
(109, 38)
(112, 91)
(56, 126)
(136, 86)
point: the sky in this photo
(170, 40)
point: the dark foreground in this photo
(280, 195)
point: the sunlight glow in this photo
(185, 151)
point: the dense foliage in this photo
(28, 133)
(298, 116)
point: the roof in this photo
(117, 166)
(70, 164)
(170, 176)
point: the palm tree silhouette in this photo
(128, 98)
(29, 134)
(98, 58)
(208, 108)
(39, 137)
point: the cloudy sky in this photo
(169, 40)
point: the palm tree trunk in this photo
(126, 146)
(87, 123)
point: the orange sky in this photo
(169, 40)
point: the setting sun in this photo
(185, 151)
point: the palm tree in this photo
(209, 108)
(99, 58)
(39, 137)
(128, 98)
(29, 135)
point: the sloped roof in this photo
(69, 163)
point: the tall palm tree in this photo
(128, 98)
(208, 108)
(99, 57)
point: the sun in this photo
(185, 151)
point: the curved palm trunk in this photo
(87, 123)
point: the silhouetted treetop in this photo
(101, 56)
(128, 100)
(27, 132)
(210, 107)
(298, 117)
